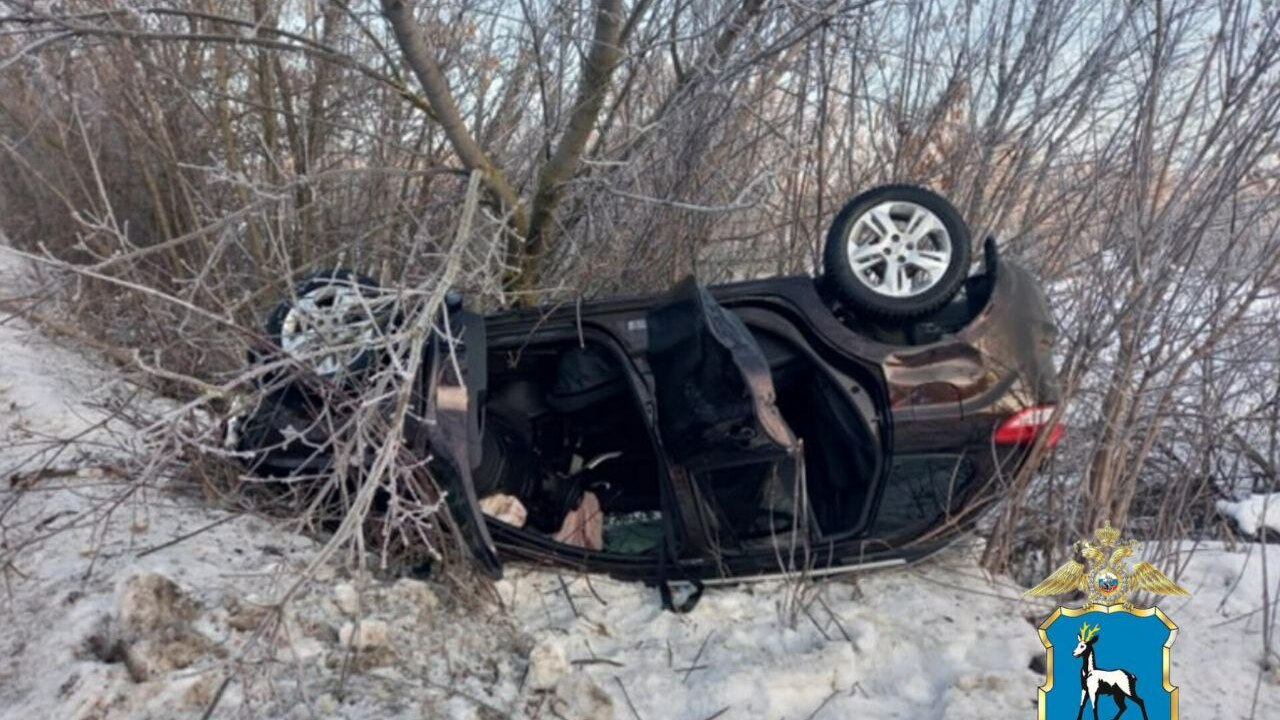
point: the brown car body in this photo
(919, 409)
(733, 432)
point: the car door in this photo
(735, 465)
(451, 392)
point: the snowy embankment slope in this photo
(91, 628)
(1254, 514)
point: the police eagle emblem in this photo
(1104, 575)
(1133, 642)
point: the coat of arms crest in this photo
(1119, 657)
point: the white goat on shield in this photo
(1119, 684)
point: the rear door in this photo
(736, 466)
(714, 392)
(452, 391)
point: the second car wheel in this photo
(897, 252)
(333, 322)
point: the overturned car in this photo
(779, 425)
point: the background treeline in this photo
(190, 158)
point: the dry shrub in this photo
(183, 167)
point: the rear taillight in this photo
(1024, 426)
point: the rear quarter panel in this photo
(953, 392)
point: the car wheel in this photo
(897, 252)
(332, 322)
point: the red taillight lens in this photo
(1024, 426)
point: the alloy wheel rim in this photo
(899, 249)
(329, 327)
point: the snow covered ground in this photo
(1254, 513)
(99, 618)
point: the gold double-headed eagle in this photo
(1105, 575)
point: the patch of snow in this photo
(578, 696)
(939, 640)
(348, 600)
(1253, 513)
(921, 642)
(365, 635)
(547, 664)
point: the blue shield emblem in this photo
(1108, 662)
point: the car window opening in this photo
(566, 451)
(921, 492)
